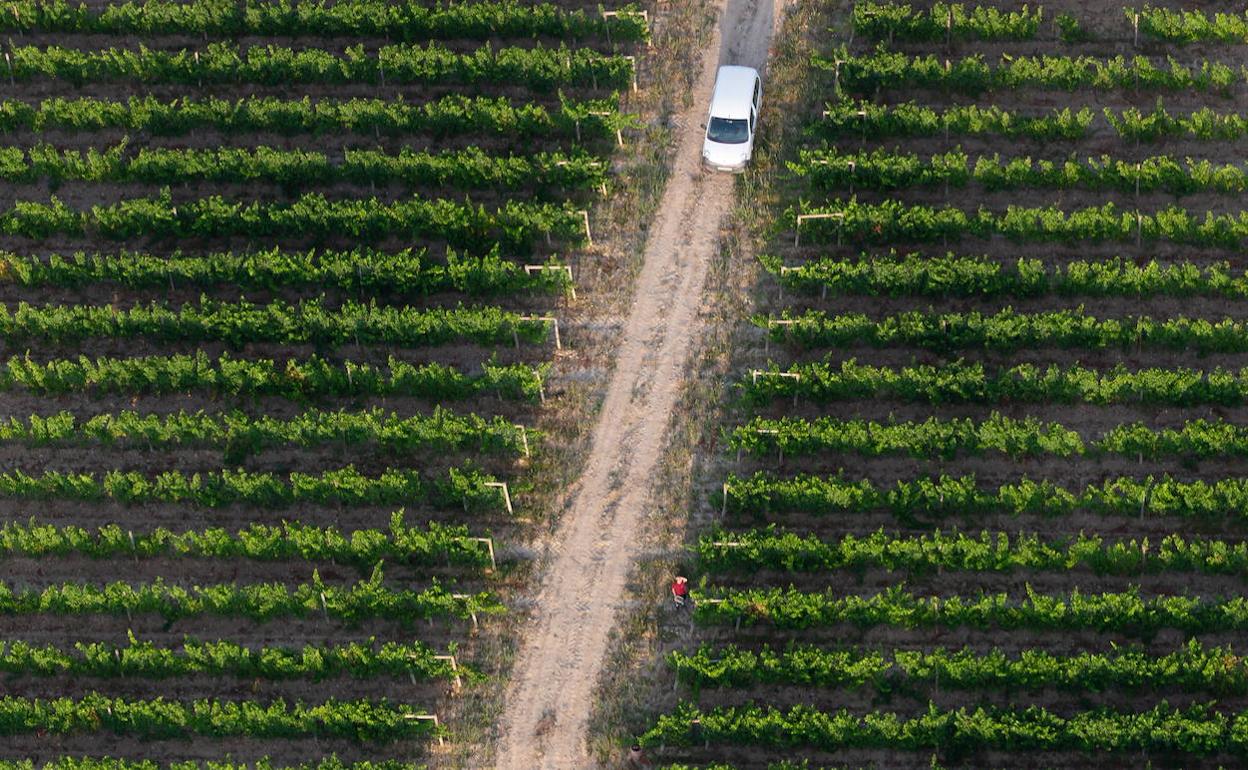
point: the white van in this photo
(733, 119)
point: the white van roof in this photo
(734, 92)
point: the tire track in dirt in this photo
(545, 721)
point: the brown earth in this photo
(597, 543)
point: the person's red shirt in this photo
(680, 588)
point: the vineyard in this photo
(977, 497)
(288, 293)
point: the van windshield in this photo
(728, 131)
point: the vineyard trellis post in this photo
(471, 613)
(779, 446)
(839, 216)
(459, 682)
(489, 546)
(524, 439)
(772, 323)
(589, 238)
(531, 269)
(429, 717)
(502, 487)
(632, 61)
(645, 18)
(795, 376)
(619, 137)
(549, 319)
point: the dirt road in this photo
(561, 659)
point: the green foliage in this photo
(365, 271)
(260, 602)
(467, 168)
(885, 170)
(893, 70)
(962, 382)
(1006, 331)
(892, 220)
(240, 323)
(1069, 30)
(432, 545)
(446, 116)
(948, 438)
(146, 660)
(516, 223)
(854, 117)
(109, 763)
(955, 21)
(1197, 730)
(1125, 613)
(537, 67)
(312, 378)
(1191, 668)
(1183, 26)
(360, 721)
(344, 18)
(239, 435)
(930, 438)
(343, 486)
(979, 276)
(944, 496)
(755, 551)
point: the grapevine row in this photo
(353, 18)
(1192, 668)
(467, 168)
(757, 550)
(1124, 613)
(342, 486)
(539, 68)
(891, 221)
(517, 223)
(434, 544)
(264, 763)
(885, 170)
(1195, 731)
(361, 721)
(312, 378)
(852, 118)
(307, 321)
(143, 659)
(363, 270)
(865, 118)
(962, 496)
(943, 21)
(240, 435)
(260, 602)
(972, 75)
(450, 115)
(1006, 331)
(962, 382)
(1182, 26)
(979, 276)
(947, 438)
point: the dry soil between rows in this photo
(560, 662)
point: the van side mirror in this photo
(703, 125)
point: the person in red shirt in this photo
(680, 590)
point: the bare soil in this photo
(597, 543)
